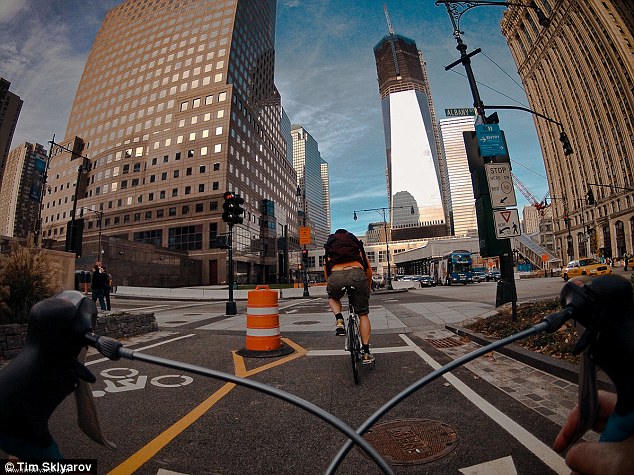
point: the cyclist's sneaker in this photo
(368, 358)
(340, 330)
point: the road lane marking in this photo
(150, 449)
(101, 360)
(528, 440)
(392, 349)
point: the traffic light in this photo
(238, 200)
(304, 255)
(590, 197)
(229, 207)
(563, 137)
(232, 208)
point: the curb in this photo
(548, 364)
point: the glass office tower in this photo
(417, 175)
(177, 104)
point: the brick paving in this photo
(542, 392)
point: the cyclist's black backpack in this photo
(343, 246)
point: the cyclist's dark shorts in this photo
(354, 277)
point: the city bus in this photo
(452, 268)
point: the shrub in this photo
(27, 276)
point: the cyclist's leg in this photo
(365, 329)
(335, 293)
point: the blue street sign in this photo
(490, 140)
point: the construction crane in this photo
(538, 205)
(389, 22)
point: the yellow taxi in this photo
(586, 266)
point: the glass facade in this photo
(176, 105)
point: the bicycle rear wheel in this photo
(354, 346)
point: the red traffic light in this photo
(228, 195)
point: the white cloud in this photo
(9, 9)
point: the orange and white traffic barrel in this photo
(263, 320)
(263, 325)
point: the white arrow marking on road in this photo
(503, 466)
(127, 384)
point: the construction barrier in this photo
(263, 320)
(263, 324)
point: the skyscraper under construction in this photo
(416, 172)
(176, 105)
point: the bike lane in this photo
(208, 427)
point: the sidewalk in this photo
(221, 292)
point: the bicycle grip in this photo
(605, 307)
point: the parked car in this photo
(426, 281)
(378, 282)
(587, 266)
(478, 276)
(494, 275)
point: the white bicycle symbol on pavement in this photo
(118, 380)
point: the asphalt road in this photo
(166, 420)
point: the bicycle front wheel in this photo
(354, 345)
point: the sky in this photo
(325, 72)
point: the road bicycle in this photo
(50, 367)
(353, 339)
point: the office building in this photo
(325, 185)
(530, 220)
(177, 104)
(21, 190)
(416, 169)
(10, 107)
(579, 72)
(462, 207)
(312, 182)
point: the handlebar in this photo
(47, 369)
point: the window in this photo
(176, 173)
(199, 208)
(160, 213)
(201, 188)
(185, 209)
(172, 211)
(216, 167)
(174, 192)
(185, 238)
(163, 176)
(202, 169)
(190, 153)
(213, 206)
(178, 156)
(154, 236)
(188, 171)
(165, 158)
(215, 185)
(188, 190)
(184, 106)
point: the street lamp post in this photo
(382, 212)
(302, 193)
(506, 287)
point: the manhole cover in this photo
(448, 342)
(412, 441)
(307, 322)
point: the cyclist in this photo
(596, 458)
(346, 264)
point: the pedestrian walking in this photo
(625, 258)
(98, 286)
(107, 288)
